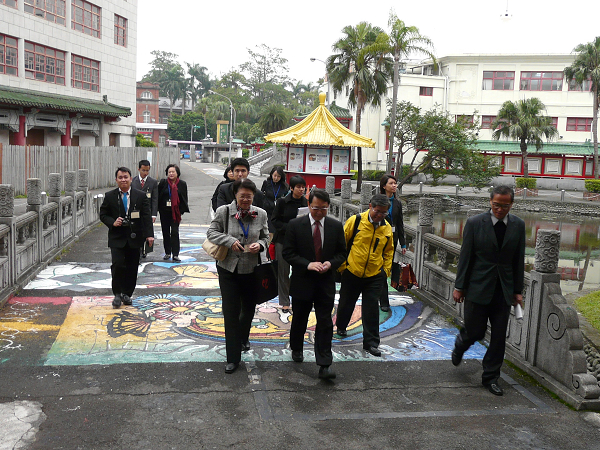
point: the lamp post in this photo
(230, 121)
(326, 74)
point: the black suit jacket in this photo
(112, 207)
(481, 262)
(163, 197)
(299, 251)
(226, 196)
(150, 187)
(397, 221)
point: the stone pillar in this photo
(54, 186)
(346, 190)
(425, 225)
(366, 193)
(330, 185)
(34, 203)
(70, 182)
(7, 209)
(7, 200)
(83, 186)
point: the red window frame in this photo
(579, 124)
(120, 30)
(9, 3)
(585, 87)
(500, 80)
(44, 63)
(541, 81)
(9, 49)
(51, 10)
(85, 73)
(86, 17)
(486, 122)
(426, 91)
(555, 122)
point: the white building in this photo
(67, 72)
(467, 83)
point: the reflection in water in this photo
(579, 263)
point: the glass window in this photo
(146, 115)
(120, 31)
(498, 81)
(85, 74)
(86, 17)
(8, 55)
(146, 94)
(11, 3)
(486, 122)
(579, 124)
(541, 81)
(428, 91)
(51, 10)
(44, 63)
(586, 86)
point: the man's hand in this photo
(518, 299)
(118, 222)
(150, 241)
(403, 251)
(458, 296)
(315, 266)
(326, 266)
(153, 219)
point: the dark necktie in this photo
(142, 181)
(500, 230)
(317, 241)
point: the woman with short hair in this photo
(172, 203)
(274, 188)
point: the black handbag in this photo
(265, 275)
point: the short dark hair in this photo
(279, 170)
(321, 194)
(296, 180)
(384, 180)
(122, 169)
(143, 162)
(240, 162)
(176, 169)
(245, 183)
(380, 200)
(503, 190)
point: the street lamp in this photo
(230, 121)
(326, 74)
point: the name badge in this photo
(135, 214)
(393, 229)
(149, 194)
(168, 202)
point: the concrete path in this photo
(77, 374)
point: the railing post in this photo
(330, 185)
(54, 184)
(34, 203)
(524, 193)
(420, 188)
(7, 210)
(366, 193)
(457, 188)
(562, 195)
(425, 225)
(346, 196)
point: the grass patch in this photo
(589, 307)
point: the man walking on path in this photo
(149, 186)
(241, 169)
(313, 276)
(366, 269)
(489, 279)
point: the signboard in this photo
(317, 160)
(223, 136)
(340, 161)
(296, 159)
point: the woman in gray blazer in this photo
(243, 228)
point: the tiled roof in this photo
(552, 148)
(337, 111)
(35, 99)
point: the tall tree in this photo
(266, 66)
(274, 117)
(162, 63)
(586, 69)
(172, 84)
(367, 72)
(526, 122)
(198, 82)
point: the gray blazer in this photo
(258, 232)
(481, 262)
(150, 187)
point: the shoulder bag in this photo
(218, 252)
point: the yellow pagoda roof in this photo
(320, 127)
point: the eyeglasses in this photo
(246, 197)
(378, 213)
(314, 208)
(501, 205)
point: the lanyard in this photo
(273, 186)
(391, 210)
(244, 230)
(169, 186)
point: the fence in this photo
(19, 163)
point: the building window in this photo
(464, 118)
(579, 124)
(586, 86)
(86, 18)
(12, 3)
(555, 122)
(51, 10)
(428, 91)
(161, 140)
(498, 81)
(146, 94)
(120, 31)
(146, 115)
(44, 63)
(85, 74)
(541, 81)
(8, 55)
(486, 122)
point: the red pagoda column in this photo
(65, 139)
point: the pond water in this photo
(579, 259)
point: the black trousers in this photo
(170, 232)
(352, 286)
(476, 320)
(238, 297)
(323, 304)
(124, 269)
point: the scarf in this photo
(174, 200)
(242, 213)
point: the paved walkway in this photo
(77, 374)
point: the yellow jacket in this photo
(372, 250)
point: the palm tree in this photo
(525, 121)
(401, 42)
(273, 117)
(198, 82)
(367, 72)
(172, 84)
(587, 67)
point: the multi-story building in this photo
(67, 72)
(148, 117)
(474, 87)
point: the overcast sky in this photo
(216, 34)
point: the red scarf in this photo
(174, 200)
(243, 213)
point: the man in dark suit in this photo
(489, 279)
(149, 185)
(126, 213)
(241, 169)
(315, 247)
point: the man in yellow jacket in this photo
(369, 262)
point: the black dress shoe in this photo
(373, 351)
(176, 259)
(143, 255)
(117, 301)
(385, 308)
(456, 357)
(494, 388)
(325, 373)
(126, 300)
(166, 257)
(341, 332)
(231, 367)
(297, 355)
(245, 346)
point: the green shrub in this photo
(592, 185)
(245, 153)
(529, 183)
(372, 175)
(354, 175)
(225, 161)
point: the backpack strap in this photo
(351, 241)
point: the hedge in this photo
(529, 183)
(592, 186)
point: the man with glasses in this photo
(489, 279)
(366, 268)
(313, 276)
